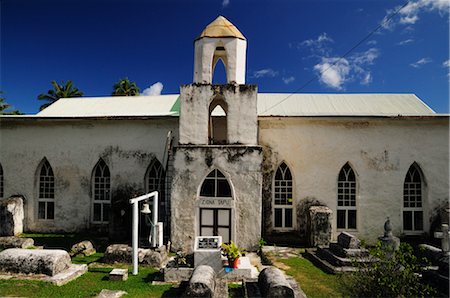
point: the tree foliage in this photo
(392, 274)
(4, 106)
(64, 90)
(124, 87)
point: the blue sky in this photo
(94, 43)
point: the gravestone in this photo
(207, 251)
(16, 242)
(388, 241)
(202, 282)
(444, 236)
(272, 283)
(118, 274)
(11, 216)
(84, 248)
(319, 225)
(34, 261)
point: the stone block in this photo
(272, 283)
(34, 261)
(111, 294)
(122, 253)
(202, 282)
(11, 216)
(212, 258)
(84, 248)
(173, 274)
(319, 222)
(118, 274)
(15, 242)
(347, 240)
(431, 253)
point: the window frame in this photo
(101, 162)
(415, 209)
(283, 207)
(46, 197)
(347, 186)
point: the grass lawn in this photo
(313, 281)
(90, 284)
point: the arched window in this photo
(412, 200)
(215, 185)
(282, 202)
(220, 57)
(101, 191)
(155, 178)
(1, 181)
(46, 196)
(346, 198)
(217, 129)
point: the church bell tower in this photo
(217, 182)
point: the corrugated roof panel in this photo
(269, 104)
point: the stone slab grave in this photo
(207, 251)
(319, 225)
(118, 274)
(52, 265)
(272, 282)
(121, 253)
(340, 255)
(11, 216)
(83, 248)
(438, 274)
(105, 293)
(15, 242)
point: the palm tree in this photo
(4, 106)
(125, 88)
(64, 90)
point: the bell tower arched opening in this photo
(217, 128)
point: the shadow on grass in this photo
(176, 291)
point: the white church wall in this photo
(380, 150)
(73, 147)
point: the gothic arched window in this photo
(101, 192)
(215, 185)
(46, 195)
(412, 200)
(217, 129)
(346, 198)
(282, 199)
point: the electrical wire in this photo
(385, 21)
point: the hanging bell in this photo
(146, 208)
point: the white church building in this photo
(228, 160)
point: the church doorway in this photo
(216, 222)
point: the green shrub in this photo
(392, 274)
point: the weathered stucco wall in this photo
(73, 147)
(242, 125)
(242, 167)
(380, 150)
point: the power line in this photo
(385, 21)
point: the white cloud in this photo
(267, 72)
(409, 14)
(335, 72)
(419, 63)
(225, 3)
(318, 46)
(153, 90)
(405, 42)
(372, 42)
(288, 80)
(446, 63)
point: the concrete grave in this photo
(111, 294)
(340, 256)
(202, 282)
(118, 274)
(16, 242)
(319, 225)
(388, 240)
(272, 283)
(207, 251)
(121, 253)
(52, 265)
(84, 248)
(11, 216)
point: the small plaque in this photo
(208, 242)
